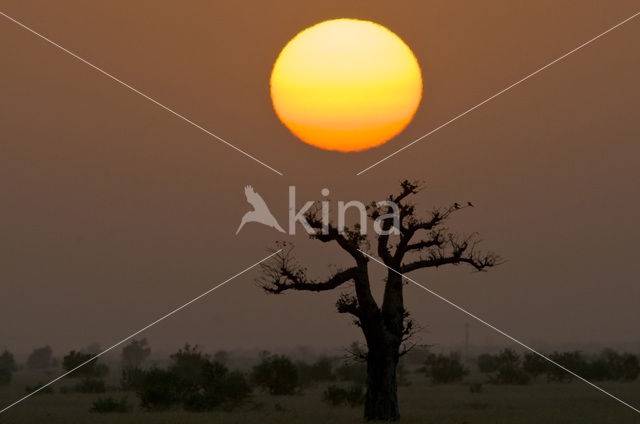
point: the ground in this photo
(420, 402)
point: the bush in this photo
(31, 389)
(623, 367)
(219, 388)
(445, 369)
(321, 370)
(276, 374)
(335, 395)
(7, 361)
(157, 390)
(90, 385)
(355, 395)
(354, 372)
(109, 404)
(187, 365)
(90, 369)
(487, 363)
(511, 374)
(212, 385)
(509, 369)
(40, 358)
(131, 378)
(535, 365)
(5, 376)
(573, 361)
(135, 353)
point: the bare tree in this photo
(419, 243)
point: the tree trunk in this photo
(382, 390)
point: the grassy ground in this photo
(420, 403)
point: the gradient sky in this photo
(113, 211)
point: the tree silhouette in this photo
(417, 243)
(135, 353)
(40, 358)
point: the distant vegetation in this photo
(196, 381)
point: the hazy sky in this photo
(113, 211)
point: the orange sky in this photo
(113, 211)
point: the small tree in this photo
(534, 364)
(487, 363)
(406, 243)
(509, 369)
(158, 390)
(276, 374)
(187, 365)
(573, 361)
(40, 358)
(91, 369)
(219, 386)
(135, 353)
(7, 361)
(443, 369)
(623, 367)
(321, 370)
(5, 376)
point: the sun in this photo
(346, 85)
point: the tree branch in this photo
(283, 273)
(454, 251)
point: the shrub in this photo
(321, 370)
(31, 389)
(445, 368)
(276, 374)
(354, 372)
(90, 385)
(511, 374)
(236, 388)
(5, 376)
(40, 358)
(157, 390)
(624, 367)
(509, 370)
(487, 363)
(7, 361)
(187, 365)
(75, 359)
(335, 395)
(109, 404)
(573, 361)
(219, 388)
(355, 395)
(212, 386)
(131, 378)
(135, 353)
(535, 365)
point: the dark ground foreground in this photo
(420, 402)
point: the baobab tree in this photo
(416, 243)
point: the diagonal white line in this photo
(460, 308)
(140, 331)
(141, 93)
(498, 93)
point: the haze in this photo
(113, 211)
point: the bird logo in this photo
(260, 212)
